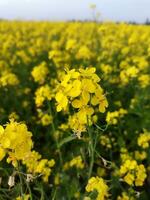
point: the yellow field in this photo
(75, 111)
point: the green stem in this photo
(54, 130)
(29, 189)
(54, 196)
(91, 151)
(92, 147)
(21, 181)
(91, 165)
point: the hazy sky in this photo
(124, 10)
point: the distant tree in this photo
(147, 21)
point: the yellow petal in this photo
(2, 153)
(1, 131)
(85, 97)
(76, 89)
(6, 143)
(94, 100)
(59, 96)
(77, 103)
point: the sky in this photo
(115, 10)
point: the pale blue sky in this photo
(123, 10)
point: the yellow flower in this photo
(71, 44)
(46, 119)
(8, 78)
(144, 80)
(129, 178)
(98, 184)
(144, 140)
(84, 53)
(2, 153)
(42, 93)
(113, 117)
(57, 179)
(125, 196)
(80, 89)
(62, 101)
(77, 162)
(133, 173)
(40, 72)
(36, 165)
(25, 197)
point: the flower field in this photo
(74, 111)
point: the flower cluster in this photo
(75, 162)
(8, 78)
(80, 89)
(144, 80)
(113, 117)
(98, 184)
(42, 93)
(84, 53)
(24, 196)
(144, 140)
(44, 118)
(125, 196)
(16, 143)
(40, 72)
(107, 141)
(133, 173)
(129, 73)
(36, 165)
(49, 79)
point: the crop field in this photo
(74, 111)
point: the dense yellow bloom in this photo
(40, 72)
(42, 93)
(71, 44)
(36, 165)
(125, 196)
(80, 89)
(144, 80)
(75, 162)
(129, 178)
(68, 83)
(127, 74)
(98, 184)
(16, 142)
(140, 155)
(113, 117)
(62, 101)
(15, 139)
(106, 69)
(84, 53)
(144, 140)
(60, 58)
(78, 121)
(133, 173)
(8, 79)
